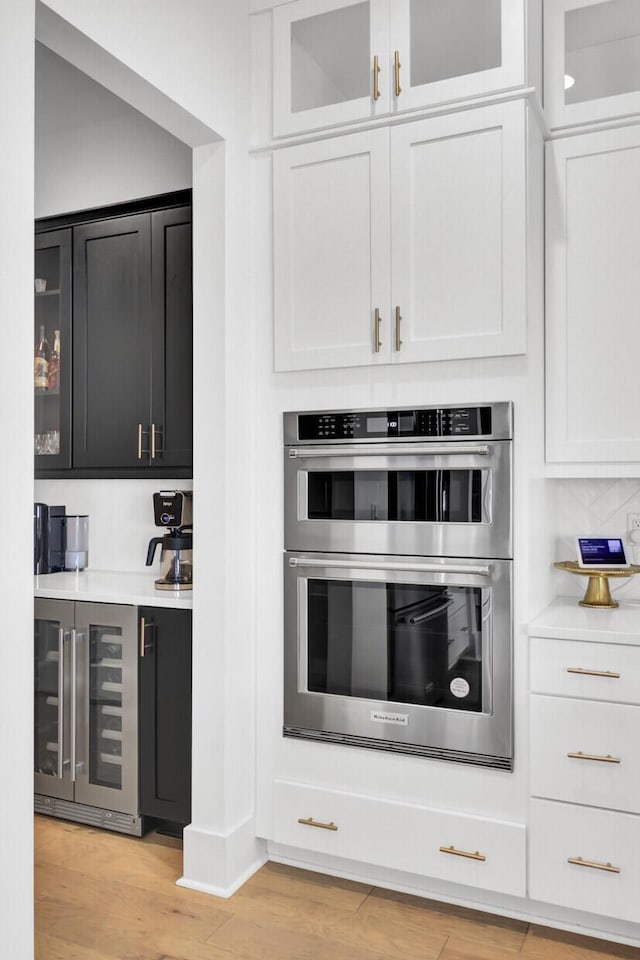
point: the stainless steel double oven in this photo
(398, 580)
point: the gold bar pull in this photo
(139, 441)
(463, 853)
(594, 864)
(153, 441)
(376, 331)
(592, 756)
(593, 673)
(310, 822)
(398, 321)
(396, 66)
(376, 82)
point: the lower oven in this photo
(408, 654)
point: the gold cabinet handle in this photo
(139, 441)
(594, 864)
(398, 321)
(376, 330)
(463, 853)
(376, 82)
(593, 673)
(592, 756)
(310, 822)
(396, 67)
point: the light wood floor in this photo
(100, 896)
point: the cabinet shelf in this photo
(40, 393)
(49, 293)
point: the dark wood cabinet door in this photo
(112, 342)
(165, 716)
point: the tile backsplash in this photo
(596, 507)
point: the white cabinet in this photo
(584, 828)
(592, 297)
(442, 276)
(336, 61)
(591, 60)
(484, 853)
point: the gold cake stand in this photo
(597, 593)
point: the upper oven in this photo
(413, 482)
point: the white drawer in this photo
(560, 832)
(604, 740)
(575, 668)
(402, 836)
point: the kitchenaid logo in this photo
(378, 716)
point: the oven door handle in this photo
(391, 450)
(477, 570)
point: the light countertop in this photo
(565, 619)
(104, 586)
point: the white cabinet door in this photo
(593, 293)
(591, 60)
(331, 252)
(458, 234)
(455, 49)
(324, 72)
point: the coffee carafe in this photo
(172, 509)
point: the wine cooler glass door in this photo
(51, 359)
(52, 704)
(107, 704)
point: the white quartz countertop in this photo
(105, 586)
(567, 620)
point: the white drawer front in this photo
(575, 668)
(586, 752)
(402, 836)
(560, 832)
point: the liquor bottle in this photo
(41, 362)
(53, 366)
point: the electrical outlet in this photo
(633, 521)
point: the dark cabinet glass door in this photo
(52, 350)
(52, 703)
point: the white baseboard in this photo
(219, 864)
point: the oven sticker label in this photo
(378, 716)
(459, 687)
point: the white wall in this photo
(16, 429)
(92, 148)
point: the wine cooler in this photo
(86, 714)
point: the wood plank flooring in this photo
(101, 896)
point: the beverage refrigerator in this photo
(86, 714)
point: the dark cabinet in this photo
(165, 717)
(130, 385)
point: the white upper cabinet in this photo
(403, 244)
(593, 293)
(592, 60)
(336, 61)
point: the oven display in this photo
(404, 424)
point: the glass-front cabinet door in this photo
(106, 657)
(52, 699)
(592, 60)
(52, 350)
(335, 61)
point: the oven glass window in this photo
(406, 643)
(437, 496)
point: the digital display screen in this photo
(601, 552)
(376, 424)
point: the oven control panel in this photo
(419, 423)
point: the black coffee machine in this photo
(173, 509)
(48, 538)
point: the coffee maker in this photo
(173, 510)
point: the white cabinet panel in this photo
(402, 836)
(606, 878)
(331, 257)
(593, 291)
(585, 752)
(458, 239)
(595, 671)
